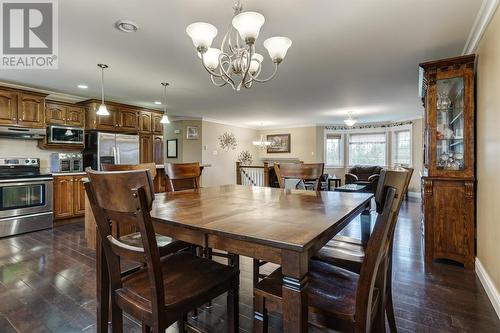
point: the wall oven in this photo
(65, 135)
(25, 196)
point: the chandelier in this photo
(236, 63)
(262, 143)
(350, 121)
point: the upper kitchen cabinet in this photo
(64, 114)
(157, 125)
(8, 107)
(145, 122)
(121, 118)
(129, 120)
(20, 108)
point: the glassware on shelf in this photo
(443, 101)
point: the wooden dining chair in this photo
(128, 167)
(182, 176)
(338, 299)
(349, 253)
(129, 234)
(165, 289)
(301, 172)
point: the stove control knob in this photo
(33, 161)
(27, 161)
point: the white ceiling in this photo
(347, 55)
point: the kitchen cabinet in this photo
(21, 108)
(128, 120)
(449, 160)
(157, 125)
(146, 148)
(158, 149)
(145, 122)
(8, 107)
(64, 114)
(69, 196)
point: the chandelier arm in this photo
(250, 53)
(211, 72)
(224, 72)
(270, 77)
(217, 84)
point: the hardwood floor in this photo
(47, 284)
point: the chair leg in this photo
(389, 306)
(260, 318)
(195, 314)
(116, 318)
(181, 324)
(256, 271)
(146, 328)
(233, 310)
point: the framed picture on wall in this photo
(280, 143)
(172, 148)
(192, 133)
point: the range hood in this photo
(22, 133)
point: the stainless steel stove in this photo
(25, 196)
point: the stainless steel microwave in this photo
(65, 134)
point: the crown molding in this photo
(483, 18)
(227, 123)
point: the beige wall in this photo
(417, 154)
(187, 150)
(222, 169)
(25, 148)
(303, 144)
(488, 150)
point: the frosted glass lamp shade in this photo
(202, 34)
(103, 110)
(248, 25)
(350, 122)
(211, 58)
(277, 47)
(164, 119)
(255, 63)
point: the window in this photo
(401, 151)
(367, 149)
(333, 149)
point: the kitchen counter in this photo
(81, 173)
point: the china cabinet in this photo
(449, 160)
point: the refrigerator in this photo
(101, 147)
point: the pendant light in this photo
(164, 119)
(103, 110)
(350, 121)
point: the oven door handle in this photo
(27, 180)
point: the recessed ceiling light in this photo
(83, 86)
(157, 102)
(126, 26)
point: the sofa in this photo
(364, 175)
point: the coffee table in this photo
(351, 188)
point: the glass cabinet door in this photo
(450, 124)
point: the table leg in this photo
(102, 288)
(329, 184)
(366, 222)
(295, 270)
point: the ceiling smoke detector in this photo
(126, 26)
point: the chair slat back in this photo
(182, 176)
(302, 171)
(125, 195)
(374, 264)
(128, 167)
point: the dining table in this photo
(285, 227)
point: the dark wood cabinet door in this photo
(129, 121)
(109, 122)
(78, 196)
(32, 110)
(146, 148)
(158, 150)
(145, 122)
(157, 125)
(55, 114)
(8, 107)
(75, 116)
(63, 197)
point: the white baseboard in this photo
(489, 286)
